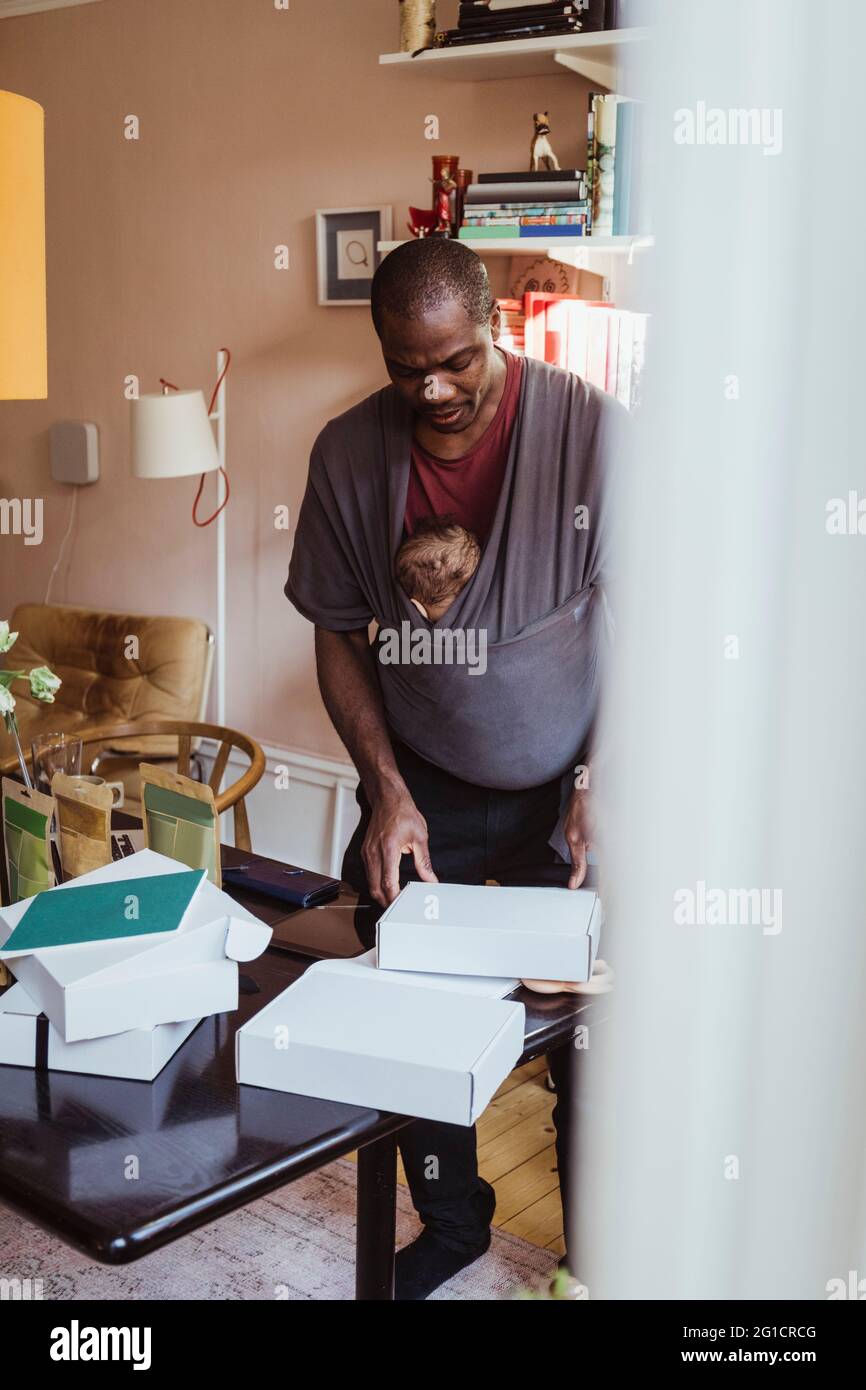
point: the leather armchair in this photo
(107, 677)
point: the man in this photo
(466, 774)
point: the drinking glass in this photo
(54, 753)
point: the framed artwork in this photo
(346, 252)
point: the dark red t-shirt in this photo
(467, 488)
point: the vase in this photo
(417, 25)
(12, 728)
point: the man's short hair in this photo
(425, 274)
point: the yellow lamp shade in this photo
(23, 332)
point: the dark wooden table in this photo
(206, 1146)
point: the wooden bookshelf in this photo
(593, 56)
(598, 57)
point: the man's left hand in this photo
(578, 834)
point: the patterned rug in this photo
(298, 1243)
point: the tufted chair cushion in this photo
(87, 648)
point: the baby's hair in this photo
(437, 560)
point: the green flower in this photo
(7, 700)
(7, 638)
(43, 684)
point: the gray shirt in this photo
(534, 605)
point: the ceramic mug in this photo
(117, 789)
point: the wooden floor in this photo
(516, 1155)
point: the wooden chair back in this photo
(233, 796)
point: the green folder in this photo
(124, 910)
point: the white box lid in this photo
(378, 1017)
(488, 986)
(476, 907)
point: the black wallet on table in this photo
(286, 882)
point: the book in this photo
(624, 360)
(500, 6)
(506, 23)
(556, 332)
(571, 229)
(591, 338)
(535, 304)
(536, 176)
(497, 6)
(548, 192)
(97, 913)
(528, 209)
(497, 233)
(597, 326)
(575, 360)
(488, 233)
(638, 352)
(527, 13)
(604, 164)
(624, 173)
(572, 220)
(590, 14)
(613, 335)
(473, 218)
(452, 38)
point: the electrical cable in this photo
(63, 542)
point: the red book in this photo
(556, 333)
(535, 304)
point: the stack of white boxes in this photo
(425, 1030)
(123, 1008)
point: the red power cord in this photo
(221, 378)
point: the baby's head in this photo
(435, 563)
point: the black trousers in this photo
(475, 834)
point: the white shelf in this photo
(577, 251)
(594, 56)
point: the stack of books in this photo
(524, 206)
(595, 340)
(492, 21)
(512, 335)
(613, 130)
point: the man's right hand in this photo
(396, 827)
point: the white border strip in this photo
(341, 778)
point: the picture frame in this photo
(347, 241)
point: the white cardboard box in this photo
(137, 1055)
(364, 1038)
(490, 986)
(467, 929)
(93, 991)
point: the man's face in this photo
(442, 363)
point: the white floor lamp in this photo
(172, 438)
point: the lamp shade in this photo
(23, 332)
(172, 436)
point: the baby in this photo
(435, 563)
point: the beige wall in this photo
(161, 251)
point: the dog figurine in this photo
(541, 154)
